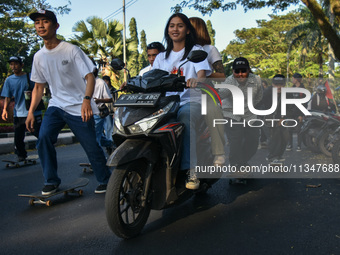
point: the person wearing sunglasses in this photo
(243, 139)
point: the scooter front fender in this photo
(132, 149)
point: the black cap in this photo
(156, 45)
(279, 79)
(240, 63)
(45, 13)
(15, 59)
(297, 76)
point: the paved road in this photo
(268, 216)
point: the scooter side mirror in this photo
(197, 56)
(117, 64)
(194, 56)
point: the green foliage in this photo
(101, 40)
(211, 32)
(143, 57)
(133, 55)
(17, 34)
(209, 6)
(265, 46)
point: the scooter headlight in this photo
(145, 125)
(119, 125)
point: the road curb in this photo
(7, 143)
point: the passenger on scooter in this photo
(180, 37)
(214, 111)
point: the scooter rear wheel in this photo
(123, 200)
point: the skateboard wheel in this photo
(17, 165)
(34, 162)
(65, 193)
(31, 202)
(84, 170)
(7, 165)
(80, 192)
(48, 203)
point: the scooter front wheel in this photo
(123, 200)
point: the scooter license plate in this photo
(138, 100)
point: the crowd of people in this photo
(79, 98)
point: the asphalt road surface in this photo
(267, 216)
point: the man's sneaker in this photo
(298, 148)
(289, 147)
(275, 162)
(281, 159)
(49, 189)
(219, 160)
(192, 181)
(263, 145)
(21, 158)
(101, 189)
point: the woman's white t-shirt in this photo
(189, 70)
(213, 54)
(64, 69)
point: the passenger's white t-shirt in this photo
(144, 70)
(189, 70)
(64, 69)
(213, 54)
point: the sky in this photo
(152, 15)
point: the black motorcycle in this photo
(147, 160)
(310, 129)
(329, 134)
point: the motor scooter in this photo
(147, 160)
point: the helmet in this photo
(321, 89)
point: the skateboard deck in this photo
(30, 160)
(38, 198)
(86, 167)
(237, 181)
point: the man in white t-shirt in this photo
(101, 95)
(68, 71)
(153, 49)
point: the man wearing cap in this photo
(15, 86)
(243, 139)
(68, 72)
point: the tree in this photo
(266, 46)
(17, 34)
(143, 57)
(208, 6)
(309, 36)
(133, 54)
(211, 32)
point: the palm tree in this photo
(101, 41)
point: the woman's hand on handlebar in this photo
(192, 83)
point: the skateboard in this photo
(30, 160)
(86, 167)
(276, 163)
(237, 181)
(38, 198)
